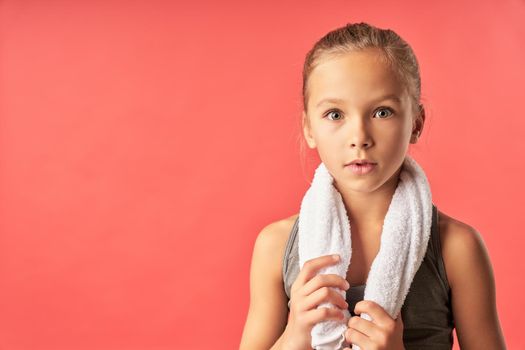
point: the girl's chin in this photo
(357, 185)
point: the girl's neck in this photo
(367, 210)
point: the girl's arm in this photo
(473, 290)
(268, 312)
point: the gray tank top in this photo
(427, 313)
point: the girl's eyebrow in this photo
(393, 97)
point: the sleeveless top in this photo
(427, 312)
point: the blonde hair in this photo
(359, 36)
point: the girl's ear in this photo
(307, 131)
(419, 123)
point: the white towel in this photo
(324, 229)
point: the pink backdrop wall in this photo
(144, 144)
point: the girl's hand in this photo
(383, 332)
(307, 292)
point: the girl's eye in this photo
(333, 111)
(382, 113)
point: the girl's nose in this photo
(360, 136)
(361, 145)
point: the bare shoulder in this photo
(275, 235)
(473, 289)
(271, 243)
(280, 227)
(268, 312)
(460, 243)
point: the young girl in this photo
(361, 93)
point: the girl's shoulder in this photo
(280, 229)
(461, 245)
(471, 279)
(268, 312)
(275, 236)
(272, 240)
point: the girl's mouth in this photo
(361, 169)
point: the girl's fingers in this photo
(324, 294)
(312, 266)
(378, 314)
(324, 280)
(363, 326)
(355, 337)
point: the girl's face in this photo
(358, 109)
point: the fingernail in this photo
(347, 284)
(336, 257)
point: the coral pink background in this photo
(144, 144)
